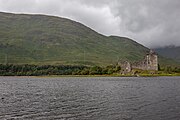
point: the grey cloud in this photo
(152, 23)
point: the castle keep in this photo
(150, 62)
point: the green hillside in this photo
(170, 52)
(40, 39)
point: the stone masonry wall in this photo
(150, 62)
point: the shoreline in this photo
(143, 75)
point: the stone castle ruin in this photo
(150, 62)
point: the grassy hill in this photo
(170, 52)
(41, 39)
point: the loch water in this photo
(93, 98)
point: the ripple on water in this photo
(90, 98)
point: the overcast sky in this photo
(150, 22)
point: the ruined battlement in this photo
(150, 62)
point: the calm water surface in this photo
(23, 98)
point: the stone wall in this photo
(126, 67)
(150, 62)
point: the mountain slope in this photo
(41, 39)
(169, 52)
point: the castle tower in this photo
(152, 61)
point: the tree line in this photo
(40, 70)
